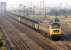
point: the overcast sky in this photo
(50, 3)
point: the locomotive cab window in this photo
(55, 25)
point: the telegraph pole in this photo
(40, 9)
(43, 8)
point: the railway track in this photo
(13, 36)
(34, 36)
(42, 45)
(66, 47)
(16, 41)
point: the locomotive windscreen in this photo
(55, 25)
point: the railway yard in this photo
(35, 25)
(18, 36)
